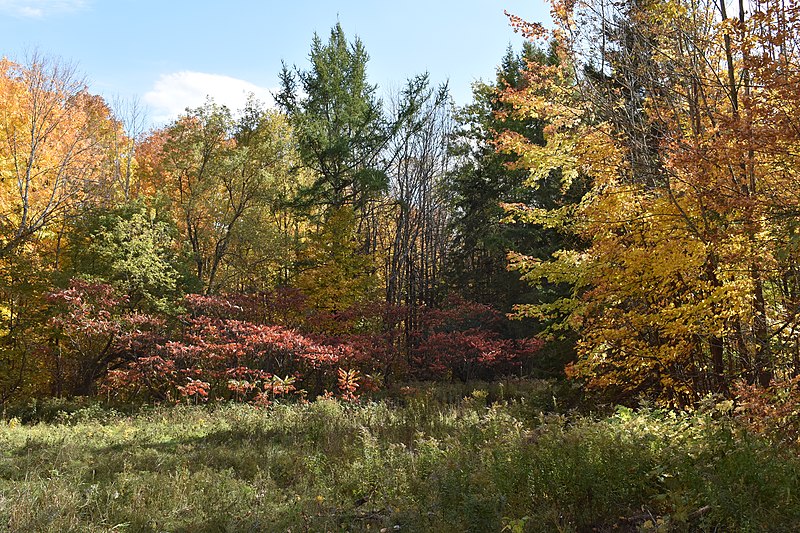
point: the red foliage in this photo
(232, 348)
(373, 336)
(234, 358)
(195, 389)
(773, 411)
(463, 340)
(348, 384)
(529, 30)
(283, 306)
(93, 330)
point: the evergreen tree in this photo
(339, 122)
(483, 181)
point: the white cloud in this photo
(173, 93)
(40, 8)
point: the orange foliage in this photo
(55, 139)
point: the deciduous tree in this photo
(54, 137)
(680, 115)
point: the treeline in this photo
(339, 242)
(637, 166)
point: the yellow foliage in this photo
(54, 142)
(337, 274)
(690, 222)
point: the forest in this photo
(570, 305)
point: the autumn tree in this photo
(676, 113)
(348, 141)
(220, 172)
(192, 162)
(53, 136)
(266, 242)
(483, 180)
(334, 273)
(132, 119)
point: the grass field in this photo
(426, 463)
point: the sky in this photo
(171, 54)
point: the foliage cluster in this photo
(257, 347)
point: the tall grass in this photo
(425, 465)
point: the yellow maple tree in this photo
(683, 118)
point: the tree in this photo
(357, 153)
(338, 120)
(265, 243)
(335, 274)
(53, 138)
(133, 119)
(220, 173)
(419, 237)
(677, 113)
(132, 247)
(483, 180)
(192, 160)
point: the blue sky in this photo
(169, 54)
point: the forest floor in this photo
(431, 460)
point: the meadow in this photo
(431, 458)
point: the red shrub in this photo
(463, 340)
(231, 358)
(773, 412)
(239, 347)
